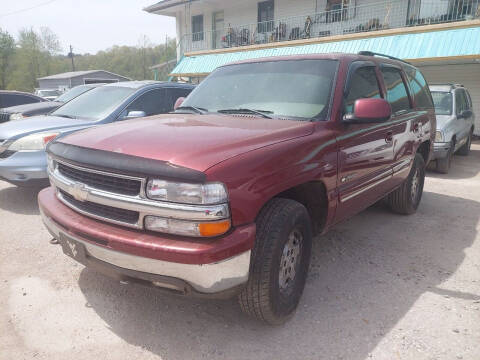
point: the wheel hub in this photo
(289, 261)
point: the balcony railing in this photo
(347, 20)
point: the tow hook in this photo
(54, 241)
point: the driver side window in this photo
(363, 85)
(152, 102)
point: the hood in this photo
(194, 141)
(16, 129)
(33, 108)
(443, 121)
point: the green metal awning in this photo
(454, 43)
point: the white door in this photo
(466, 74)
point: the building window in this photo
(265, 16)
(197, 28)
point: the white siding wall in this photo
(466, 74)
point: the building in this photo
(441, 37)
(70, 79)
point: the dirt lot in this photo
(381, 286)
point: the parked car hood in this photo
(16, 129)
(194, 141)
(26, 108)
(443, 121)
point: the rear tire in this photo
(279, 262)
(407, 197)
(465, 149)
(443, 165)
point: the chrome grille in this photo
(101, 211)
(4, 117)
(6, 154)
(98, 180)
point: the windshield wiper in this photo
(262, 113)
(198, 110)
(65, 116)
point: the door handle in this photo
(389, 137)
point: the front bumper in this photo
(25, 168)
(440, 150)
(208, 267)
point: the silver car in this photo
(455, 123)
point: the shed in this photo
(73, 78)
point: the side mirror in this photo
(178, 103)
(369, 111)
(465, 114)
(135, 114)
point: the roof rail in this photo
(447, 84)
(371, 53)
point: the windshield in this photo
(95, 104)
(443, 102)
(73, 93)
(49, 92)
(298, 89)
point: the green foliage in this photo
(7, 51)
(37, 54)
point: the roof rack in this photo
(371, 53)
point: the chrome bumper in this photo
(207, 278)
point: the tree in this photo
(7, 50)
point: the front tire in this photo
(465, 149)
(407, 197)
(443, 165)
(279, 263)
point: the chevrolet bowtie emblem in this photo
(79, 192)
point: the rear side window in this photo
(419, 88)
(397, 94)
(174, 94)
(461, 102)
(364, 85)
(17, 99)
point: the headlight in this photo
(186, 227)
(33, 142)
(50, 163)
(16, 116)
(198, 194)
(438, 136)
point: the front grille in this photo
(4, 117)
(102, 211)
(5, 154)
(104, 182)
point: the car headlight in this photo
(213, 194)
(438, 136)
(16, 116)
(33, 142)
(184, 193)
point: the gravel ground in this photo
(381, 286)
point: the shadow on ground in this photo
(20, 200)
(365, 276)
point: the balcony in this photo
(351, 19)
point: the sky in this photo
(88, 25)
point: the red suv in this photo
(224, 196)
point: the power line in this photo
(27, 9)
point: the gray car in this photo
(44, 107)
(22, 143)
(455, 123)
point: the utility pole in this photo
(71, 56)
